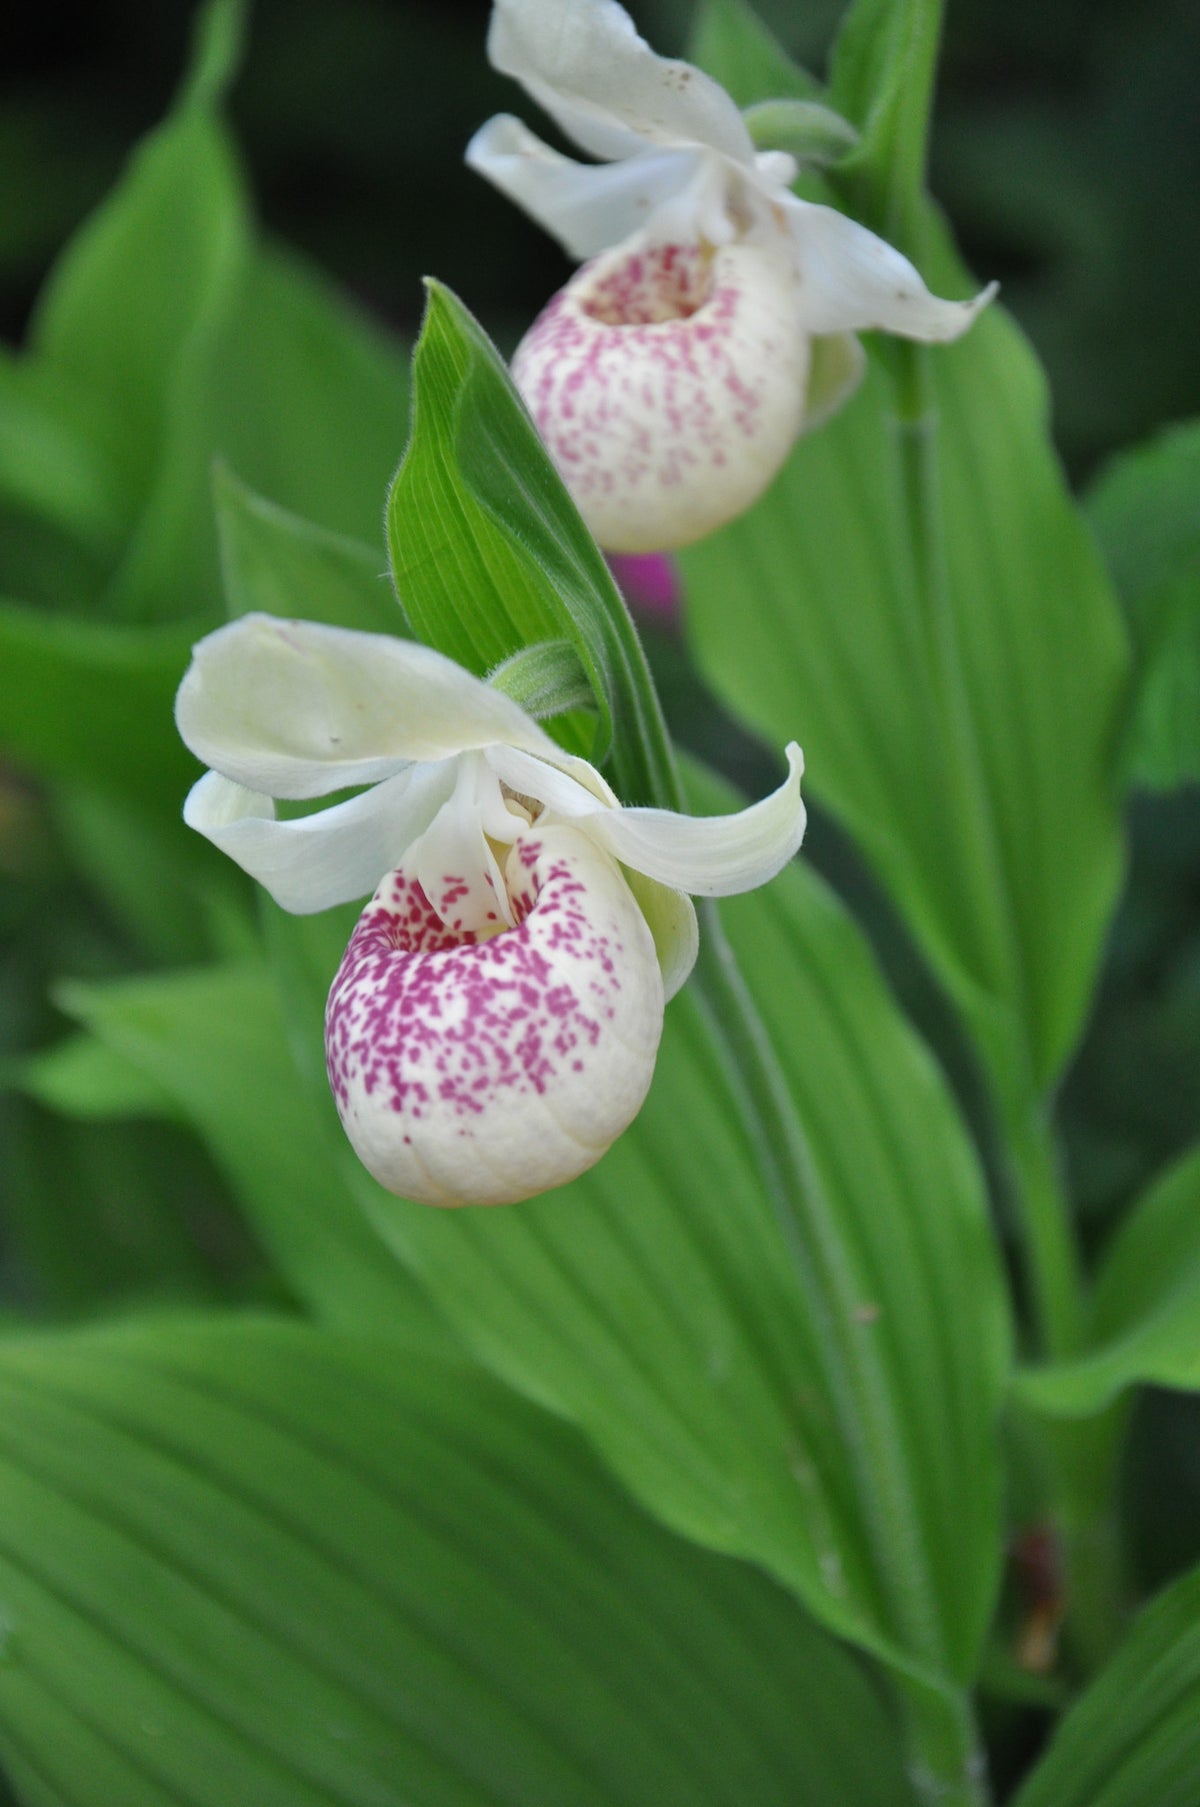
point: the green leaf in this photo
(490, 556)
(56, 454)
(133, 313)
(213, 1041)
(95, 699)
(311, 402)
(956, 695)
(882, 77)
(733, 45)
(82, 1077)
(246, 1562)
(1134, 1736)
(1146, 511)
(1145, 508)
(1146, 1317)
(818, 1395)
(276, 562)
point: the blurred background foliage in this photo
(1066, 155)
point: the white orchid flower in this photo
(672, 374)
(494, 1023)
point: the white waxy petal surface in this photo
(327, 858)
(852, 281)
(585, 206)
(583, 61)
(473, 1072)
(297, 709)
(668, 383)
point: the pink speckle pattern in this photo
(480, 1070)
(668, 384)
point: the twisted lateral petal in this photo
(585, 206)
(668, 384)
(327, 858)
(708, 856)
(851, 281)
(583, 61)
(482, 1073)
(297, 709)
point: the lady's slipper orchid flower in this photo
(672, 374)
(494, 1023)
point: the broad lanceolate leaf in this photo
(184, 340)
(248, 1563)
(1134, 1738)
(133, 313)
(212, 1040)
(817, 1394)
(94, 699)
(1146, 1320)
(280, 564)
(489, 554)
(1146, 511)
(733, 44)
(956, 697)
(311, 401)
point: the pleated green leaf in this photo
(95, 698)
(1146, 511)
(145, 342)
(733, 44)
(310, 402)
(490, 556)
(1146, 1319)
(1133, 1739)
(960, 723)
(279, 563)
(250, 1565)
(213, 1041)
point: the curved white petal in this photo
(583, 61)
(298, 709)
(668, 383)
(708, 856)
(484, 1073)
(324, 859)
(585, 206)
(453, 862)
(851, 281)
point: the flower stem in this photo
(947, 1765)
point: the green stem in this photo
(1051, 1252)
(947, 1764)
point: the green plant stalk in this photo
(946, 1761)
(945, 1754)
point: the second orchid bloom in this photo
(494, 1023)
(673, 373)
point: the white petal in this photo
(453, 862)
(668, 384)
(586, 206)
(482, 1074)
(297, 709)
(710, 856)
(324, 859)
(583, 61)
(851, 281)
